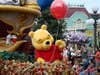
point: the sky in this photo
(89, 4)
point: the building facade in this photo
(76, 21)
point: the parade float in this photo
(16, 18)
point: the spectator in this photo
(84, 52)
(91, 68)
(67, 53)
(76, 67)
(97, 59)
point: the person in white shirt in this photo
(8, 39)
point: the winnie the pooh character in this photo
(45, 50)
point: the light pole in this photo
(94, 21)
(95, 17)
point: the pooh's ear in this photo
(31, 34)
(44, 27)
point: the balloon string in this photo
(57, 29)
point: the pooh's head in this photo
(41, 38)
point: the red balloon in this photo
(58, 9)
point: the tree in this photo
(55, 27)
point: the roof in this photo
(72, 10)
(98, 14)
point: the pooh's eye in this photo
(39, 41)
(48, 36)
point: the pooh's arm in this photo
(61, 44)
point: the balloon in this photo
(58, 9)
(44, 3)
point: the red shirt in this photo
(50, 55)
(97, 58)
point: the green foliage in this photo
(16, 56)
(55, 27)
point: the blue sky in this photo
(89, 4)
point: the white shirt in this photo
(65, 53)
(8, 39)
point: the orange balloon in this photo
(58, 9)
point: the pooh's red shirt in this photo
(50, 55)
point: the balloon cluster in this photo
(58, 8)
(76, 37)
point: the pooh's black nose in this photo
(48, 42)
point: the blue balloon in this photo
(44, 3)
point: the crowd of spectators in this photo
(85, 60)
